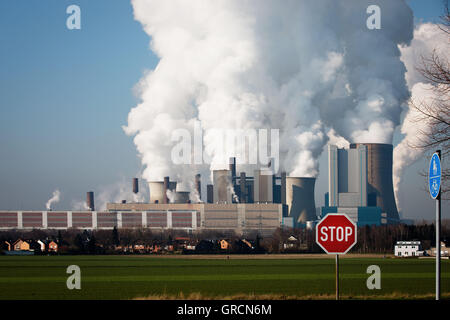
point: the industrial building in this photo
(360, 184)
(236, 203)
(359, 179)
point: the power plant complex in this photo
(359, 180)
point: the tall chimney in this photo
(166, 187)
(243, 186)
(232, 168)
(198, 185)
(209, 193)
(283, 187)
(135, 185)
(90, 200)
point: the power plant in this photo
(359, 184)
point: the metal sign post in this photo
(336, 234)
(337, 277)
(434, 179)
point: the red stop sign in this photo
(336, 233)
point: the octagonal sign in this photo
(336, 233)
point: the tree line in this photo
(371, 239)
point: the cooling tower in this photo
(158, 191)
(90, 200)
(379, 177)
(300, 199)
(263, 187)
(222, 186)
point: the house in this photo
(290, 243)
(444, 250)
(224, 244)
(408, 249)
(21, 245)
(52, 246)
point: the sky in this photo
(65, 95)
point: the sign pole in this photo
(337, 277)
(438, 240)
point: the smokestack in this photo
(198, 185)
(232, 168)
(209, 193)
(90, 200)
(379, 177)
(283, 187)
(243, 187)
(135, 185)
(166, 187)
(300, 199)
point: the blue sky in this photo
(64, 95)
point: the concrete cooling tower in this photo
(380, 188)
(158, 190)
(300, 199)
(222, 186)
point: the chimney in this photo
(135, 185)
(283, 187)
(166, 187)
(243, 187)
(232, 168)
(90, 200)
(198, 185)
(209, 193)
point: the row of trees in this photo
(371, 239)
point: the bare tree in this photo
(436, 113)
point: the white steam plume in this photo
(427, 37)
(54, 199)
(116, 192)
(79, 205)
(299, 66)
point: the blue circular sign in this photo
(434, 176)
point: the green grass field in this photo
(127, 277)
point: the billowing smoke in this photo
(116, 192)
(79, 205)
(171, 195)
(427, 37)
(303, 67)
(54, 199)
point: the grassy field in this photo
(127, 277)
